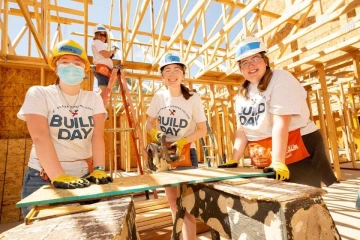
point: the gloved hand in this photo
(230, 164)
(179, 144)
(281, 170)
(155, 135)
(99, 177)
(69, 182)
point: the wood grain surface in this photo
(49, 194)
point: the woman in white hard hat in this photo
(273, 121)
(102, 57)
(180, 115)
(66, 125)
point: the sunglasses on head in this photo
(103, 34)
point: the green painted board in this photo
(125, 185)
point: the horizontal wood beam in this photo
(256, 10)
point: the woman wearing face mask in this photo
(180, 115)
(102, 57)
(273, 121)
(66, 125)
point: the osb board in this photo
(14, 84)
(13, 180)
(111, 220)
(269, 190)
(49, 194)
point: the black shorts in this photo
(102, 80)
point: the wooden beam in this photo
(255, 10)
(26, 14)
(166, 5)
(5, 26)
(86, 26)
(329, 17)
(19, 36)
(331, 129)
(324, 52)
(199, 5)
(137, 22)
(309, 46)
(295, 9)
(225, 29)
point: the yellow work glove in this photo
(69, 182)
(179, 144)
(229, 164)
(281, 170)
(99, 176)
(155, 135)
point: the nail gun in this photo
(160, 156)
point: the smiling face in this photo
(173, 75)
(253, 67)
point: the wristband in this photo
(100, 167)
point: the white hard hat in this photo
(171, 58)
(99, 28)
(249, 46)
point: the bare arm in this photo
(240, 144)
(98, 144)
(107, 54)
(280, 133)
(198, 133)
(40, 134)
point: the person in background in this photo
(180, 115)
(102, 57)
(66, 125)
(273, 121)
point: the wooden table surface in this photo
(49, 195)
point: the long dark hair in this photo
(184, 90)
(264, 82)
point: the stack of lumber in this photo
(153, 213)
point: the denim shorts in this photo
(194, 160)
(102, 80)
(32, 182)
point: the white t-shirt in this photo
(177, 117)
(96, 47)
(283, 96)
(71, 135)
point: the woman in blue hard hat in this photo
(180, 115)
(66, 125)
(102, 57)
(273, 121)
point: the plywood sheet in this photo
(49, 194)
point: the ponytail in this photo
(185, 91)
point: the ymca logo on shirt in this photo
(250, 111)
(172, 119)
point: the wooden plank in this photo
(150, 202)
(49, 194)
(156, 224)
(152, 208)
(146, 216)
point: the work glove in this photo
(179, 144)
(229, 164)
(281, 170)
(99, 176)
(155, 135)
(69, 182)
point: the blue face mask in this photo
(70, 74)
